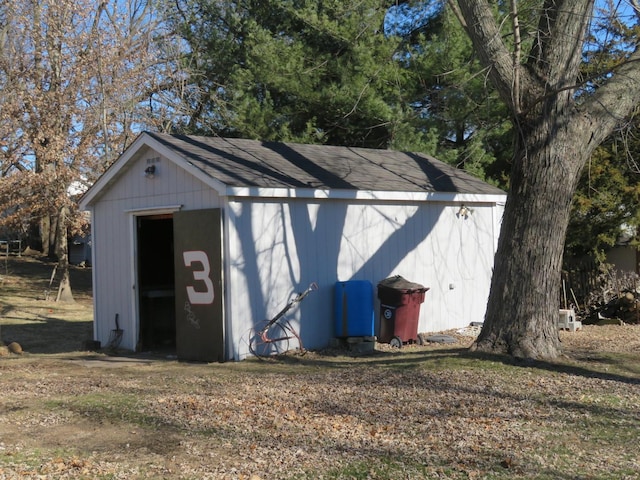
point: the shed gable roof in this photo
(237, 167)
(252, 163)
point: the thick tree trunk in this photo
(523, 309)
(45, 235)
(62, 250)
(556, 135)
(48, 235)
(64, 288)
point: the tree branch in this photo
(635, 4)
(557, 51)
(487, 41)
(517, 48)
(456, 11)
(616, 99)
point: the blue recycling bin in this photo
(353, 309)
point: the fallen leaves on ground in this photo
(419, 412)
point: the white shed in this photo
(251, 223)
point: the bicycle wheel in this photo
(266, 340)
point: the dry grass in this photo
(29, 314)
(421, 412)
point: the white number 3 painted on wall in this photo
(197, 297)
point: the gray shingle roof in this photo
(251, 163)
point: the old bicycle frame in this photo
(273, 336)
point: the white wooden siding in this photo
(113, 233)
(277, 248)
(274, 248)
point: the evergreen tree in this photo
(453, 99)
(304, 71)
(605, 207)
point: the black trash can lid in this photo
(400, 283)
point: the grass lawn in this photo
(420, 412)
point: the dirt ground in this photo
(432, 411)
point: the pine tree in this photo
(304, 71)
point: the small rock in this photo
(439, 338)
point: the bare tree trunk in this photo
(527, 271)
(45, 229)
(556, 137)
(62, 249)
(48, 227)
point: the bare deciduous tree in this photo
(76, 77)
(561, 117)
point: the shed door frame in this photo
(133, 261)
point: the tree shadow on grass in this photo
(595, 366)
(592, 367)
(454, 383)
(49, 335)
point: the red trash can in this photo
(400, 302)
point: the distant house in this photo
(195, 239)
(79, 245)
(80, 249)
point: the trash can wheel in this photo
(396, 342)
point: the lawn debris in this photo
(618, 308)
(15, 347)
(614, 300)
(438, 338)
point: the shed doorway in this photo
(156, 283)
